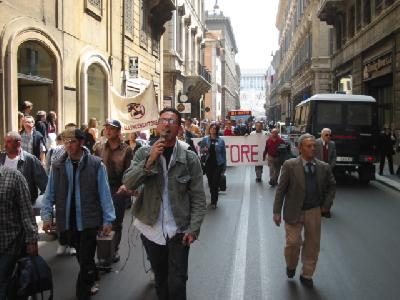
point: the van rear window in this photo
(359, 114)
(329, 113)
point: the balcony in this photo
(197, 81)
(330, 9)
(161, 12)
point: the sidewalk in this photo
(387, 179)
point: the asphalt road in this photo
(240, 251)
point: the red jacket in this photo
(228, 132)
(271, 147)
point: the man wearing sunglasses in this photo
(325, 148)
(171, 207)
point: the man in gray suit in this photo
(306, 188)
(326, 148)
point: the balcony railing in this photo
(197, 69)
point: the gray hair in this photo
(14, 135)
(326, 130)
(304, 137)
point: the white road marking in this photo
(240, 254)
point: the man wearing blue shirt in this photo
(84, 206)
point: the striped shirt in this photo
(16, 217)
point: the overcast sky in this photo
(253, 23)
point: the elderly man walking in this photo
(306, 187)
(18, 229)
(271, 149)
(171, 206)
(16, 158)
(326, 148)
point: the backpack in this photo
(31, 276)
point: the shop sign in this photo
(378, 67)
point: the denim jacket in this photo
(219, 150)
(185, 188)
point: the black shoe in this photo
(326, 214)
(258, 179)
(307, 282)
(213, 206)
(290, 272)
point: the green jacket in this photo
(185, 187)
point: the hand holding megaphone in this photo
(156, 150)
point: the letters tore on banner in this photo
(242, 150)
(135, 113)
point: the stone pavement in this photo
(387, 179)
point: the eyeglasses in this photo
(327, 134)
(165, 121)
(70, 141)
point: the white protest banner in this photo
(136, 113)
(242, 150)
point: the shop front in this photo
(378, 82)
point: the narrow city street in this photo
(240, 251)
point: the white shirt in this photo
(263, 132)
(165, 225)
(11, 163)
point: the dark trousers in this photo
(213, 174)
(382, 162)
(7, 264)
(85, 244)
(119, 205)
(170, 265)
(259, 171)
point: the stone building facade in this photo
(213, 49)
(185, 78)
(366, 51)
(303, 68)
(66, 56)
(221, 27)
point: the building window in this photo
(128, 18)
(179, 34)
(378, 6)
(144, 23)
(36, 75)
(389, 2)
(367, 11)
(339, 35)
(97, 92)
(351, 16)
(94, 8)
(358, 15)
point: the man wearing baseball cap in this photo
(82, 209)
(117, 157)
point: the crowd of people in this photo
(88, 176)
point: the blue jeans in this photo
(7, 264)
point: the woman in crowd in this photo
(20, 120)
(212, 149)
(131, 141)
(51, 122)
(92, 128)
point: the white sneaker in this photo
(61, 250)
(71, 251)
